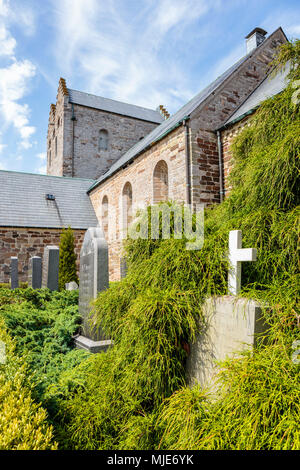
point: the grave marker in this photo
(237, 255)
(35, 272)
(14, 274)
(93, 278)
(50, 267)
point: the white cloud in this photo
(7, 42)
(16, 76)
(124, 54)
(42, 156)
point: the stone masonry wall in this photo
(123, 133)
(214, 112)
(228, 135)
(77, 129)
(27, 242)
(140, 175)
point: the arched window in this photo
(104, 216)
(127, 206)
(103, 140)
(160, 182)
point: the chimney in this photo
(255, 38)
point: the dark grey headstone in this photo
(93, 277)
(123, 267)
(35, 272)
(14, 274)
(50, 267)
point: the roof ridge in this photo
(112, 99)
(48, 176)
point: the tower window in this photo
(103, 140)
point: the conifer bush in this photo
(67, 259)
(23, 422)
(134, 396)
(157, 307)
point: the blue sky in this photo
(145, 52)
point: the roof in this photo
(271, 86)
(23, 201)
(168, 125)
(175, 120)
(112, 106)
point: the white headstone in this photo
(71, 285)
(237, 255)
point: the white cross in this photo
(237, 254)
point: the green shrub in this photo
(67, 258)
(23, 423)
(155, 310)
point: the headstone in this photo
(35, 272)
(14, 274)
(50, 267)
(93, 278)
(71, 285)
(237, 254)
(232, 325)
(123, 267)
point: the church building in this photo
(105, 157)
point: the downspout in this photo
(187, 162)
(73, 119)
(220, 154)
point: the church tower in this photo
(88, 133)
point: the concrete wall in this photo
(27, 242)
(231, 325)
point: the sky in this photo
(144, 52)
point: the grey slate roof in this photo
(169, 124)
(23, 202)
(112, 106)
(271, 86)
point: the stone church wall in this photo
(140, 175)
(228, 135)
(27, 242)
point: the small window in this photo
(55, 146)
(49, 157)
(103, 140)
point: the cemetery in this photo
(206, 334)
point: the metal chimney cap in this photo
(256, 30)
